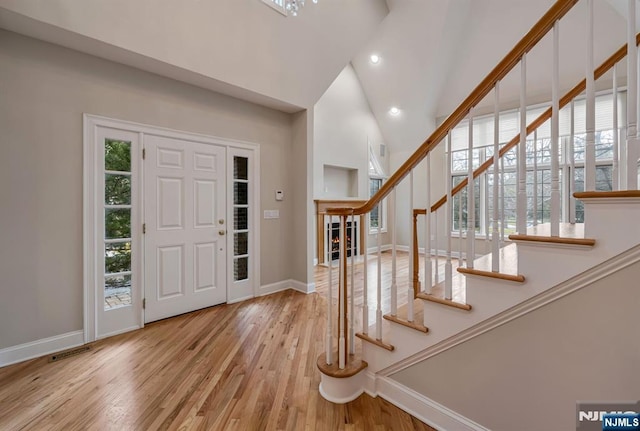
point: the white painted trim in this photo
(242, 287)
(88, 225)
(244, 298)
(90, 127)
(38, 348)
(120, 331)
(374, 250)
(611, 201)
(427, 410)
(341, 390)
(147, 129)
(280, 286)
(305, 288)
(434, 252)
(561, 290)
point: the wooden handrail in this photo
(537, 32)
(546, 115)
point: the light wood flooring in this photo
(246, 366)
(321, 276)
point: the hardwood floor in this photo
(321, 276)
(246, 366)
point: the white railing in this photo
(533, 158)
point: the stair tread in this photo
(443, 301)
(570, 233)
(508, 257)
(414, 324)
(610, 194)
(458, 289)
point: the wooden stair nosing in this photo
(588, 242)
(353, 366)
(609, 194)
(403, 322)
(444, 301)
(375, 341)
(518, 278)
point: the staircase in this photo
(500, 275)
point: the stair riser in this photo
(613, 222)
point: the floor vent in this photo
(68, 353)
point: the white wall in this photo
(302, 249)
(344, 129)
(528, 374)
(45, 90)
(244, 44)
(344, 125)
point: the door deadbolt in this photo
(221, 221)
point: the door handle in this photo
(221, 232)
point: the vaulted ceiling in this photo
(433, 52)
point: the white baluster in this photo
(535, 178)
(460, 235)
(495, 238)
(484, 183)
(590, 142)
(427, 233)
(379, 285)
(502, 213)
(572, 166)
(616, 135)
(411, 251)
(448, 268)
(342, 354)
(435, 241)
(394, 284)
(555, 111)
(631, 180)
(365, 277)
(471, 201)
(329, 336)
(352, 332)
(521, 205)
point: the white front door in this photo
(185, 223)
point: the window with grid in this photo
(538, 158)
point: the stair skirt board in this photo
(548, 296)
(428, 411)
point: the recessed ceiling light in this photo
(394, 111)
(375, 59)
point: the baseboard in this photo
(427, 410)
(279, 286)
(434, 252)
(45, 346)
(305, 288)
(385, 247)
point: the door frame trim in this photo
(90, 125)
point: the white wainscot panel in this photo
(204, 162)
(170, 158)
(204, 266)
(170, 272)
(205, 203)
(170, 203)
